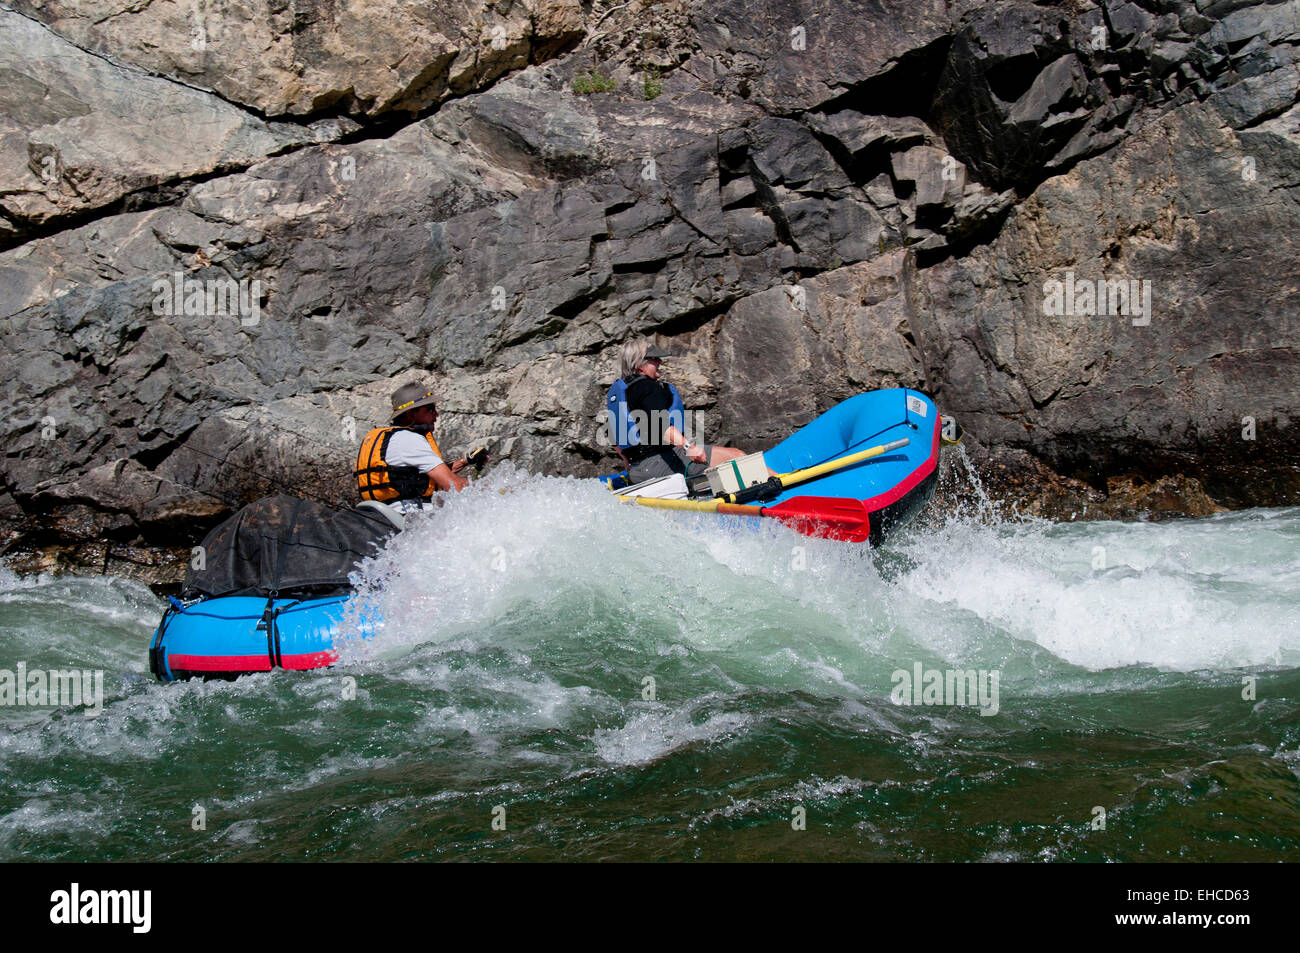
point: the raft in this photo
(228, 636)
(270, 591)
(864, 501)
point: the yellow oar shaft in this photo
(698, 506)
(812, 473)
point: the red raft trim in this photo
(308, 660)
(250, 663)
(219, 663)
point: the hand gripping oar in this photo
(774, 485)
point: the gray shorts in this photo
(669, 462)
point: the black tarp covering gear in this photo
(281, 544)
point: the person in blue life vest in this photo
(401, 465)
(648, 420)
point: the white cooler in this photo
(737, 474)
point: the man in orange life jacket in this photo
(402, 465)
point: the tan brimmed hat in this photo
(410, 396)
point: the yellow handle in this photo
(812, 473)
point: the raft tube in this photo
(229, 636)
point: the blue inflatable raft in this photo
(229, 636)
(269, 591)
(858, 472)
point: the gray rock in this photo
(1278, 22)
(367, 57)
(805, 53)
(1061, 86)
(851, 329)
(1261, 95)
(1098, 394)
(1009, 72)
(78, 133)
(858, 134)
(938, 178)
(1128, 20)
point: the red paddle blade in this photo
(828, 517)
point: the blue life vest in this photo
(623, 424)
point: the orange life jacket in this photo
(379, 480)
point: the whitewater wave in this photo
(526, 558)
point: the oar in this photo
(697, 506)
(811, 515)
(774, 485)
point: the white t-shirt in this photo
(406, 449)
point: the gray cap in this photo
(410, 396)
(656, 351)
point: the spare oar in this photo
(774, 485)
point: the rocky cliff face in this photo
(228, 231)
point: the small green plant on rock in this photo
(593, 82)
(653, 87)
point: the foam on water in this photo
(657, 729)
(546, 554)
(1218, 593)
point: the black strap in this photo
(267, 624)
